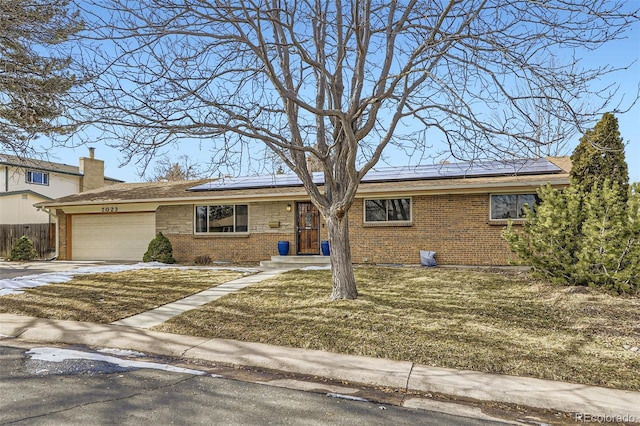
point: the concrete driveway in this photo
(20, 269)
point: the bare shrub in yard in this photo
(203, 260)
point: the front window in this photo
(222, 218)
(38, 178)
(387, 210)
(511, 206)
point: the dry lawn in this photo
(108, 297)
(498, 322)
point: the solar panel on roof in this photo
(246, 182)
(461, 170)
(396, 174)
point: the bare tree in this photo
(552, 134)
(341, 81)
(34, 72)
(168, 169)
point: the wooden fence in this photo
(42, 235)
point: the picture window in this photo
(511, 206)
(387, 210)
(222, 218)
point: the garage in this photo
(122, 236)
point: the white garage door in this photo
(123, 236)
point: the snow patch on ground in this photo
(316, 268)
(60, 355)
(16, 285)
(121, 352)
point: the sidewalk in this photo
(588, 400)
(163, 313)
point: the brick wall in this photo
(176, 222)
(92, 174)
(251, 248)
(455, 226)
(175, 219)
(62, 235)
(179, 219)
(260, 214)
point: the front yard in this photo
(499, 322)
(108, 297)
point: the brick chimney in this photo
(92, 172)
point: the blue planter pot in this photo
(283, 248)
(324, 245)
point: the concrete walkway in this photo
(163, 313)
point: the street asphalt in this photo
(89, 392)
(590, 401)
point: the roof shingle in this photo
(178, 190)
(46, 166)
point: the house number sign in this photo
(109, 210)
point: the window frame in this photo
(387, 221)
(28, 177)
(235, 220)
(517, 203)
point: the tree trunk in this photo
(344, 281)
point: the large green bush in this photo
(600, 155)
(547, 241)
(23, 250)
(595, 245)
(603, 256)
(160, 250)
(588, 233)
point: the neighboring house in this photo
(457, 210)
(25, 182)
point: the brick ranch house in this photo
(457, 210)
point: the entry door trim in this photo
(307, 229)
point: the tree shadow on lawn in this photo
(107, 297)
(491, 324)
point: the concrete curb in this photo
(588, 400)
(528, 391)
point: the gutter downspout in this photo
(6, 178)
(55, 254)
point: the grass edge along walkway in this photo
(166, 312)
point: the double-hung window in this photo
(222, 218)
(37, 177)
(387, 210)
(511, 206)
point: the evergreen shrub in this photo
(160, 250)
(588, 233)
(23, 250)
